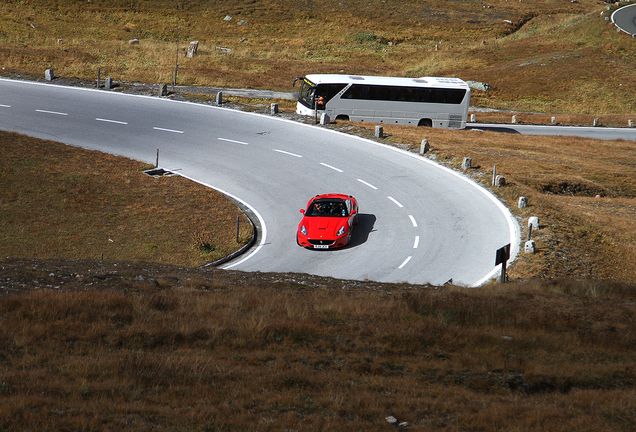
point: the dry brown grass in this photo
(136, 347)
(557, 58)
(63, 202)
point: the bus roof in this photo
(382, 80)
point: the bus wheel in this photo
(342, 117)
(426, 123)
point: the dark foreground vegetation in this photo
(88, 345)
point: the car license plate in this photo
(321, 246)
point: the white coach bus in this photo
(426, 101)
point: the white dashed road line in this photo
(5, 106)
(233, 141)
(413, 221)
(395, 201)
(288, 153)
(51, 112)
(405, 262)
(167, 130)
(368, 184)
(329, 166)
(417, 242)
(111, 121)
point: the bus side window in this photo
(457, 96)
(425, 95)
(354, 92)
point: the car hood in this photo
(323, 226)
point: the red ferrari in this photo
(328, 221)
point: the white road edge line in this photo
(413, 221)
(51, 112)
(111, 121)
(258, 215)
(417, 242)
(329, 166)
(288, 153)
(405, 262)
(395, 201)
(233, 141)
(167, 130)
(368, 184)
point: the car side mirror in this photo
(302, 211)
(353, 212)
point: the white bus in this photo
(426, 101)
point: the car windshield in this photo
(327, 208)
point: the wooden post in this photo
(176, 60)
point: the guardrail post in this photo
(379, 131)
(424, 147)
(529, 246)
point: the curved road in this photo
(625, 19)
(419, 222)
(605, 133)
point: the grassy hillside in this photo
(542, 56)
(137, 347)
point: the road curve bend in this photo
(625, 19)
(419, 222)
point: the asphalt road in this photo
(606, 133)
(419, 222)
(625, 19)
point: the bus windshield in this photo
(310, 91)
(306, 94)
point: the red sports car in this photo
(328, 221)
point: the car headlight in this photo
(341, 231)
(303, 230)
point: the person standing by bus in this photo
(320, 103)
